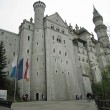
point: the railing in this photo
(103, 104)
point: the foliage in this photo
(5, 83)
(3, 64)
(102, 89)
(10, 87)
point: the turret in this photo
(39, 8)
(100, 28)
(38, 76)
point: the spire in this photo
(96, 14)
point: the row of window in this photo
(82, 51)
(57, 29)
(59, 40)
(56, 72)
(55, 61)
(59, 52)
(61, 61)
(84, 60)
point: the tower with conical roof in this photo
(100, 28)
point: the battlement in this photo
(39, 4)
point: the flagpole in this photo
(16, 81)
(15, 89)
(16, 77)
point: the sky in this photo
(13, 12)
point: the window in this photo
(37, 59)
(79, 59)
(57, 29)
(37, 43)
(29, 27)
(68, 73)
(62, 72)
(37, 73)
(13, 53)
(52, 26)
(83, 59)
(56, 71)
(53, 50)
(28, 38)
(27, 51)
(61, 61)
(66, 62)
(59, 39)
(64, 41)
(59, 51)
(62, 31)
(53, 37)
(55, 60)
(65, 54)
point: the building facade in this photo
(62, 61)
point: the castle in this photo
(63, 62)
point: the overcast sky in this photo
(13, 12)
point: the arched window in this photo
(59, 39)
(52, 26)
(28, 38)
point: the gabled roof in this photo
(57, 19)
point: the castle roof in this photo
(96, 14)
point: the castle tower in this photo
(100, 28)
(38, 77)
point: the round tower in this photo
(100, 28)
(38, 76)
(39, 8)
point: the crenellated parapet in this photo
(39, 4)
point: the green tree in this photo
(3, 64)
(102, 89)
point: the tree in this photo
(3, 64)
(102, 89)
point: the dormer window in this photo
(52, 26)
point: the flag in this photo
(26, 74)
(20, 69)
(14, 65)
